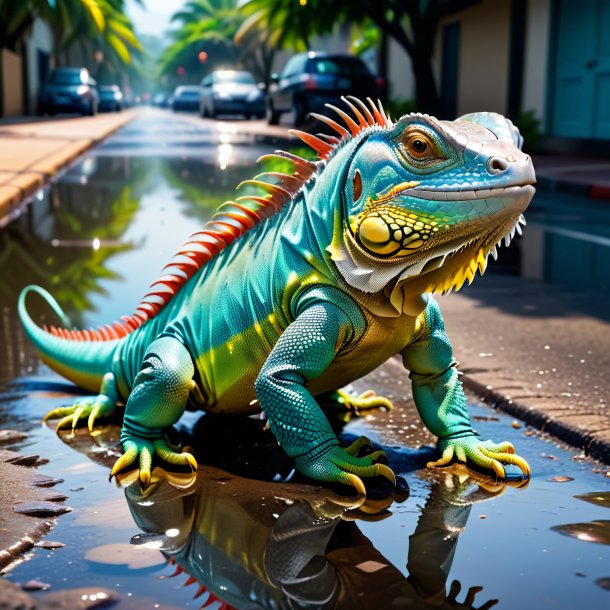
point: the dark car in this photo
(186, 98)
(231, 92)
(111, 98)
(310, 80)
(69, 90)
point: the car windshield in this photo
(71, 77)
(191, 92)
(340, 66)
(230, 76)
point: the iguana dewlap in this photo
(293, 294)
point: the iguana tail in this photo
(82, 362)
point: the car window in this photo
(207, 81)
(232, 76)
(295, 65)
(341, 66)
(69, 77)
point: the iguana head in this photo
(427, 201)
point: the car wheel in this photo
(300, 111)
(212, 113)
(273, 116)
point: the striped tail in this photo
(82, 362)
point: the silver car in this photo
(69, 90)
(231, 92)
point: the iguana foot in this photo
(363, 402)
(484, 454)
(337, 465)
(362, 447)
(90, 407)
(144, 450)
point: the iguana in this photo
(290, 295)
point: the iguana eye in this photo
(420, 147)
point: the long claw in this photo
(386, 472)
(509, 458)
(444, 460)
(356, 482)
(57, 413)
(93, 416)
(191, 460)
(65, 422)
(145, 477)
(77, 415)
(127, 459)
(498, 469)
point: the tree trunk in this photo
(426, 91)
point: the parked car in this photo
(310, 80)
(111, 98)
(186, 98)
(69, 90)
(231, 92)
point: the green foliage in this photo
(530, 127)
(397, 107)
(203, 25)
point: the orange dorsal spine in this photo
(235, 218)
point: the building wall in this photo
(39, 39)
(12, 72)
(537, 44)
(401, 83)
(484, 56)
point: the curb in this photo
(25, 183)
(598, 449)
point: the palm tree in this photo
(205, 27)
(96, 25)
(411, 23)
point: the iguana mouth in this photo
(448, 195)
(457, 194)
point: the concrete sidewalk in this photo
(33, 151)
(537, 352)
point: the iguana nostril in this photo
(497, 165)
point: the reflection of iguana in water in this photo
(255, 544)
(293, 294)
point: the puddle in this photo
(240, 535)
(567, 242)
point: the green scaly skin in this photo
(318, 294)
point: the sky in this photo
(154, 19)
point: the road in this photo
(97, 239)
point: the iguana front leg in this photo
(303, 352)
(441, 403)
(157, 401)
(90, 407)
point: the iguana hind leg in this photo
(88, 407)
(157, 401)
